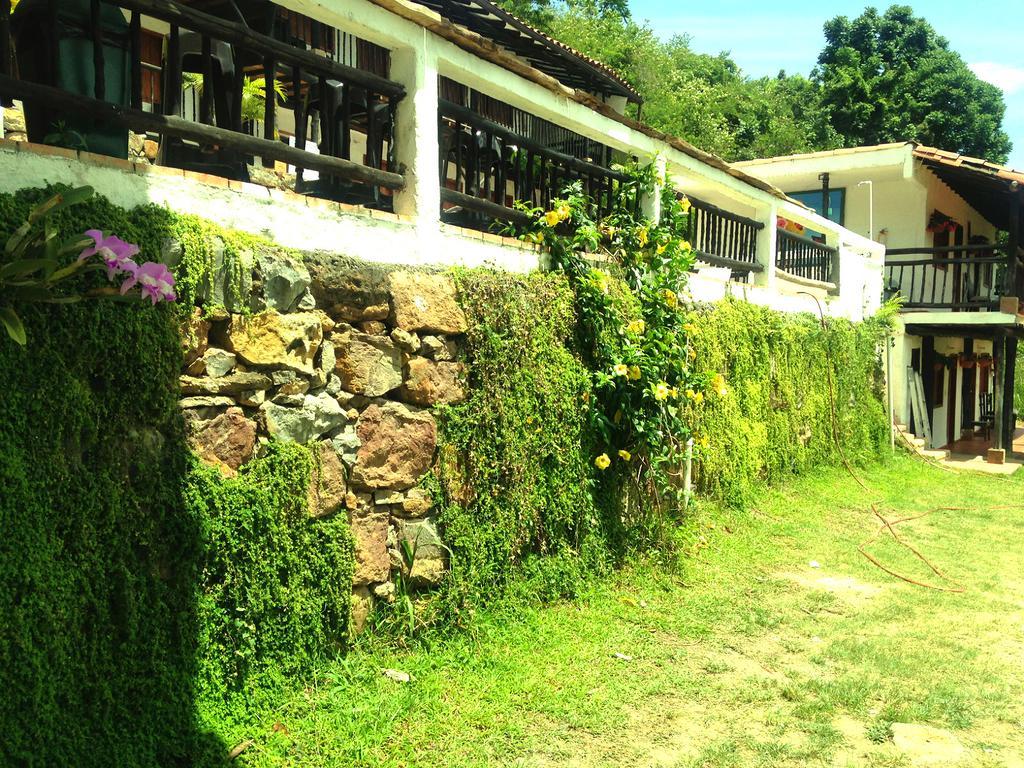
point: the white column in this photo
(416, 135)
(767, 239)
(650, 206)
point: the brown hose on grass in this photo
(887, 525)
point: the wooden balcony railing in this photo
(222, 54)
(803, 257)
(960, 278)
(724, 239)
(486, 167)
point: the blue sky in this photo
(786, 34)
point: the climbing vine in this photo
(777, 420)
(629, 274)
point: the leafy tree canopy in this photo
(881, 77)
(892, 77)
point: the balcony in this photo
(438, 141)
(89, 72)
(959, 278)
(492, 155)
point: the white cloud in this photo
(1008, 78)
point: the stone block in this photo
(431, 383)
(317, 416)
(370, 533)
(328, 487)
(367, 365)
(272, 340)
(425, 302)
(228, 439)
(396, 447)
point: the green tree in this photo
(704, 99)
(540, 13)
(892, 77)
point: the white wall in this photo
(419, 55)
(285, 218)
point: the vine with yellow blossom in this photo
(629, 274)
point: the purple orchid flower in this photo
(155, 282)
(115, 252)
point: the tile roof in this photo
(555, 58)
(955, 160)
(824, 153)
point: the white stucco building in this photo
(950, 225)
(402, 132)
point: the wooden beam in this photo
(734, 264)
(467, 116)
(5, 41)
(170, 125)
(242, 36)
(999, 392)
(1013, 245)
(486, 207)
(1009, 424)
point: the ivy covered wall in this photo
(777, 420)
(151, 606)
(147, 603)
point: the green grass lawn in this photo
(747, 656)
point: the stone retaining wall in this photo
(348, 359)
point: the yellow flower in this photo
(685, 245)
(684, 204)
(661, 248)
(643, 236)
(625, 455)
(661, 391)
(718, 384)
(673, 393)
(636, 327)
(696, 397)
(551, 218)
(691, 353)
(563, 211)
(620, 369)
(670, 298)
(689, 327)
(602, 461)
(634, 373)
(703, 441)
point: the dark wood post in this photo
(1013, 243)
(998, 386)
(1009, 425)
(269, 104)
(135, 43)
(98, 65)
(5, 37)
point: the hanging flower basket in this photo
(940, 222)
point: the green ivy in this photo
(776, 419)
(148, 606)
(515, 468)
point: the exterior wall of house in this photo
(288, 219)
(383, 238)
(904, 346)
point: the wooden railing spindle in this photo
(135, 51)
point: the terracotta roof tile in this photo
(952, 159)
